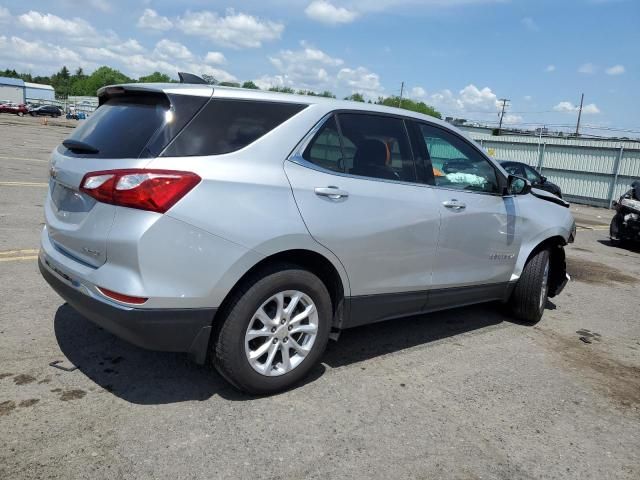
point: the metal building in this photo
(37, 91)
(11, 90)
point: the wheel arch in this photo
(557, 261)
(310, 260)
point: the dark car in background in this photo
(15, 108)
(537, 181)
(45, 111)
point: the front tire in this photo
(615, 230)
(530, 294)
(276, 328)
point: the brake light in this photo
(153, 190)
(121, 297)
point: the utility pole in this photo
(504, 105)
(401, 92)
(579, 115)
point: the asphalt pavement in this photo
(463, 394)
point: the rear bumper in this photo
(170, 330)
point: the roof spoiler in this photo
(190, 78)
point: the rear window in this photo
(132, 126)
(224, 126)
(121, 127)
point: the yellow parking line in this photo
(15, 259)
(29, 251)
(23, 184)
(600, 229)
(24, 159)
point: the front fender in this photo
(530, 244)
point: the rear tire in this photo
(530, 294)
(260, 317)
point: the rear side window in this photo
(121, 127)
(373, 146)
(224, 126)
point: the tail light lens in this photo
(153, 190)
(121, 297)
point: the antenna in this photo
(190, 78)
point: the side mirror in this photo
(543, 180)
(518, 185)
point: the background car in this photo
(537, 181)
(46, 111)
(15, 108)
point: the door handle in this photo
(331, 192)
(454, 204)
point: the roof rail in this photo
(190, 78)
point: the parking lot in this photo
(461, 394)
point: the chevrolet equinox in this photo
(248, 227)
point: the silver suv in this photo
(249, 227)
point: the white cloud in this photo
(615, 70)
(151, 20)
(568, 107)
(361, 80)
(102, 5)
(550, 68)
(471, 102)
(590, 109)
(310, 68)
(511, 119)
(128, 47)
(325, 12)
(168, 50)
(215, 58)
(530, 24)
(587, 68)
(236, 30)
(4, 13)
(528, 98)
(24, 52)
(48, 22)
(417, 92)
(306, 68)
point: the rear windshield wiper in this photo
(78, 146)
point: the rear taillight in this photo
(153, 190)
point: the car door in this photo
(356, 186)
(479, 238)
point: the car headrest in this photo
(370, 152)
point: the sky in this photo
(461, 56)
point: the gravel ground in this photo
(461, 394)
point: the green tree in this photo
(408, 104)
(355, 97)
(251, 85)
(282, 89)
(155, 77)
(210, 79)
(102, 77)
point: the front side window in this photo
(456, 164)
